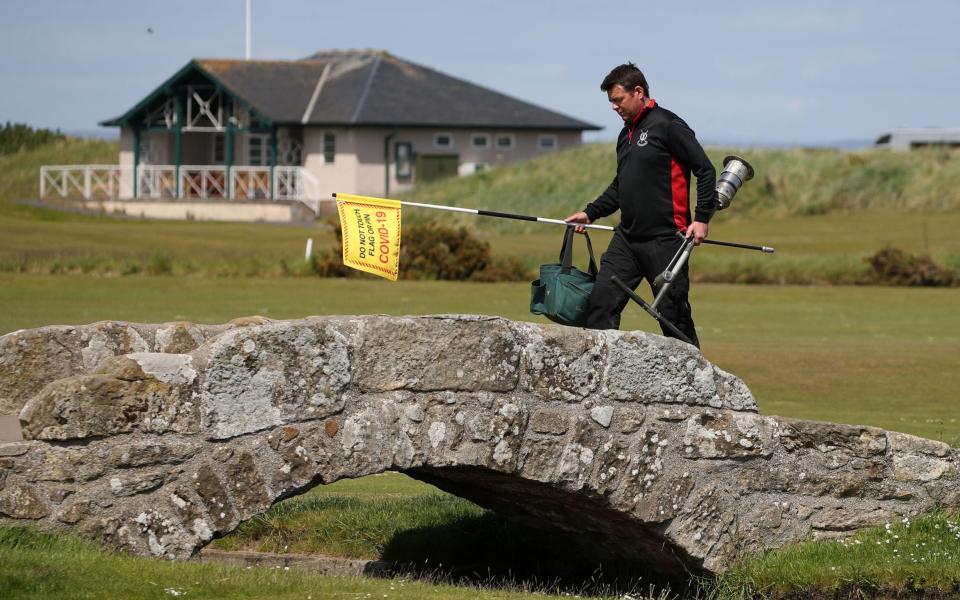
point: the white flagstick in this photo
(502, 215)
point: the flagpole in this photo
(502, 215)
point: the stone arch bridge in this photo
(157, 438)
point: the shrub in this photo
(329, 264)
(502, 269)
(18, 136)
(444, 252)
(892, 266)
(160, 264)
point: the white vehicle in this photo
(919, 137)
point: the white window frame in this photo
(147, 150)
(214, 160)
(405, 173)
(507, 136)
(480, 136)
(330, 136)
(264, 149)
(438, 145)
(547, 136)
(289, 152)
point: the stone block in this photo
(914, 467)
(246, 485)
(902, 442)
(148, 453)
(263, 376)
(603, 415)
(118, 399)
(564, 364)
(438, 353)
(553, 422)
(14, 448)
(23, 502)
(108, 338)
(213, 493)
(722, 435)
(30, 359)
(179, 338)
(171, 369)
(651, 369)
(136, 483)
(851, 440)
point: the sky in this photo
(738, 71)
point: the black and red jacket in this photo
(655, 156)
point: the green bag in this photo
(562, 292)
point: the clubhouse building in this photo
(226, 139)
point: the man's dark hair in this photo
(627, 75)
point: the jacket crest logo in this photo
(642, 139)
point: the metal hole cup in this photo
(736, 172)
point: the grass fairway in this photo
(864, 355)
(903, 559)
(820, 248)
(824, 211)
(39, 566)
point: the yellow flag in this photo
(371, 234)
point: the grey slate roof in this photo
(279, 90)
(374, 88)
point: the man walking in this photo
(656, 153)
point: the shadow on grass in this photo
(493, 551)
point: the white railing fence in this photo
(155, 182)
(310, 193)
(87, 180)
(251, 183)
(196, 182)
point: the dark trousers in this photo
(633, 262)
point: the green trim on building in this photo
(178, 143)
(136, 159)
(273, 161)
(228, 150)
(172, 87)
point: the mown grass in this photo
(902, 558)
(133, 247)
(429, 530)
(35, 565)
(818, 249)
(906, 558)
(872, 200)
(41, 239)
(810, 250)
(338, 525)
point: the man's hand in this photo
(578, 217)
(697, 230)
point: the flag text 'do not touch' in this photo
(371, 234)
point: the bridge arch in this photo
(160, 438)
